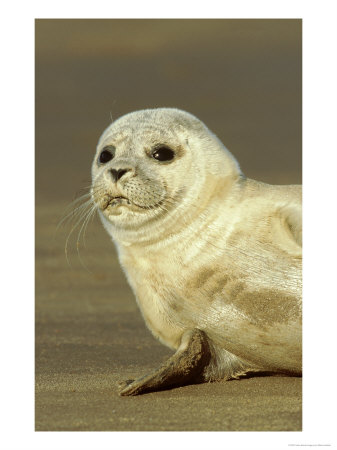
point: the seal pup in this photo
(213, 258)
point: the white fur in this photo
(207, 248)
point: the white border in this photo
(320, 119)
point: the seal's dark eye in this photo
(163, 153)
(107, 154)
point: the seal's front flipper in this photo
(185, 366)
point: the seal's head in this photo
(154, 163)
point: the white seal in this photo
(213, 258)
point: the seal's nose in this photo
(117, 174)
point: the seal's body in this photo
(213, 258)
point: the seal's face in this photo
(124, 182)
(149, 163)
(135, 175)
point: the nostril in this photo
(117, 174)
(121, 172)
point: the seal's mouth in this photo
(118, 200)
(110, 202)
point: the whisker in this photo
(73, 213)
(83, 214)
(85, 221)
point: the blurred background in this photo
(241, 77)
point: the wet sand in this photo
(243, 79)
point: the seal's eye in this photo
(107, 154)
(163, 153)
